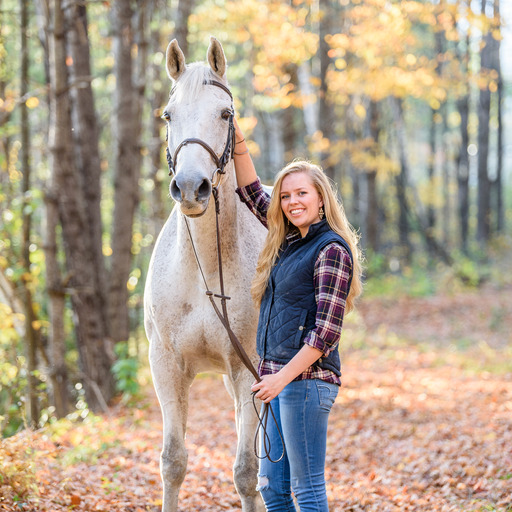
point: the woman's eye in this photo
(166, 116)
(284, 197)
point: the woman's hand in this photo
(269, 387)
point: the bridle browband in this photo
(229, 148)
(221, 163)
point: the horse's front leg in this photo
(245, 470)
(172, 386)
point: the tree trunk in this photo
(498, 187)
(463, 159)
(431, 214)
(325, 107)
(31, 334)
(484, 105)
(127, 166)
(95, 354)
(126, 173)
(56, 307)
(86, 139)
(401, 180)
(183, 13)
(288, 119)
(372, 206)
(160, 91)
(446, 177)
(58, 372)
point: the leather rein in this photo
(221, 163)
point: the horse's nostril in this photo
(175, 190)
(204, 190)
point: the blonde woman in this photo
(308, 275)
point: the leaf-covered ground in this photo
(423, 423)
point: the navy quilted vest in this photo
(288, 308)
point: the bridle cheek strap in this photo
(229, 148)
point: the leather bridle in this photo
(221, 163)
(229, 148)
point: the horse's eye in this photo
(226, 114)
(166, 116)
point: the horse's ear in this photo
(175, 60)
(216, 57)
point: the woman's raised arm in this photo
(244, 167)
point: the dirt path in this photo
(412, 430)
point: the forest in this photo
(405, 105)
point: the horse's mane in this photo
(191, 82)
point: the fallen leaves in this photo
(408, 432)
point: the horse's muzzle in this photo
(192, 194)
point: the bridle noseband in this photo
(229, 148)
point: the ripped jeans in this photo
(302, 410)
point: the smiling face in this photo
(300, 201)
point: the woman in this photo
(308, 273)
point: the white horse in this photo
(186, 336)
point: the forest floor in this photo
(423, 423)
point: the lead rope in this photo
(239, 349)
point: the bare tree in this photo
(326, 122)
(402, 179)
(183, 13)
(484, 106)
(31, 334)
(95, 354)
(463, 167)
(127, 133)
(498, 184)
(86, 140)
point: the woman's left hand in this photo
(269, 387)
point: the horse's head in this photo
(200, 125)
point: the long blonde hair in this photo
(279, 228)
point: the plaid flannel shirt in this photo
(333, 267)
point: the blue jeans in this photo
(301, 410)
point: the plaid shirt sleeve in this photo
(256, 199)
(333, 268)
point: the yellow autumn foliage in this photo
(273, 33)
